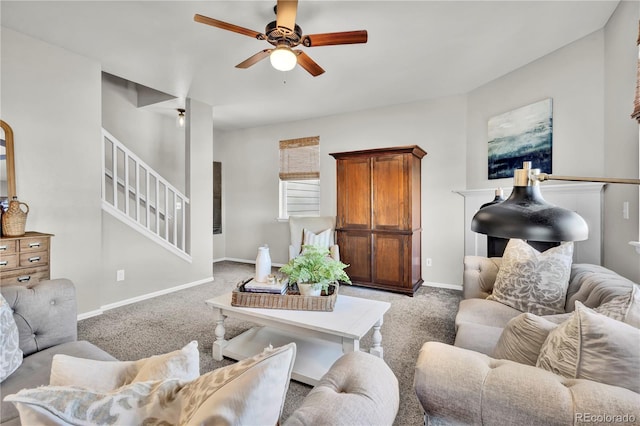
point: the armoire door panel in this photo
(355, 251)
(390, 196)
(390, 259)
(354, 195)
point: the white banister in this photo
(121, 185)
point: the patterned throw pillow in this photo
(595, 347)
(106, 376)
(522, 338)
(251, 391)
(10, 353)
(324, 239)
(534, 282)
(625, 308)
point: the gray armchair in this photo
(315, 224)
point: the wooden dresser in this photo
(378, 223)
(24, 260)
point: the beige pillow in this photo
(625, 308)
(248, 392)
(322, 239)
(593, 346)
(106, 376)
(522, 338)
(535, 282)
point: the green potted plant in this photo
(314, 270)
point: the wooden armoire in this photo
(378, 224)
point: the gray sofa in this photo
(462, 384)
(47, 322)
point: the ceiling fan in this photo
(284, 34)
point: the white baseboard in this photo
(251, 261)
(125, 302)
(443, 285)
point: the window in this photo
(300, 177)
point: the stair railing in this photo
(137, 195)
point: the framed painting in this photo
(523, 134)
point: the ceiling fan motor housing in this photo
(277, 36)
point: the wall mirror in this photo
(7, 165)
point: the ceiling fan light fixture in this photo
(283, 59)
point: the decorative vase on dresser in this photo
(378, 223)
(24, 260)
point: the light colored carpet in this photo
(168, 322)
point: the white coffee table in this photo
(321, 337)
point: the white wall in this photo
(51, 99)
(151, 136)
(219, 240)
(250, 176)
(592, 84)
(621, 139)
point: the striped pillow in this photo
(323, 239)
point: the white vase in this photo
(307, 289)
(263, 264)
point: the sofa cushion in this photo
(36, 369)
(478, 337)
(594, 285)
(522, 338)
(485, 312)
(595, 347)
(251, 391)
(531, 281)
(10, 353)
(106, 376)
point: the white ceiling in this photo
(416, 49)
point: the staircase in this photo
(138, 196)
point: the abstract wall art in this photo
(523, 134)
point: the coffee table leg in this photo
(220, 343)
(350, 345)
(376, 348)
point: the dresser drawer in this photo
(8, 261)
(24, 276)
(8, 246)
(34, 244)
(36, 258)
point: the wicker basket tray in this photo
(291, 300)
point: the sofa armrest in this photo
(358, 389)
(479, 275)
(46, 313)
(468, 387)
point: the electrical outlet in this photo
(429, 263)
(625, 210)
(120, 275)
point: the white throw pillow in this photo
(595, 347)
(10, 353)
(183, 364)
(534, 282)
(522, 338)
(251, 391)
(323, 239)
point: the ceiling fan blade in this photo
(308, 64)
(286, 15)
(229, 27)
(254, 59)
(328, 39)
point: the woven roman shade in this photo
(300, 158)
(636, 104)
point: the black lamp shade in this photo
(526, 215)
